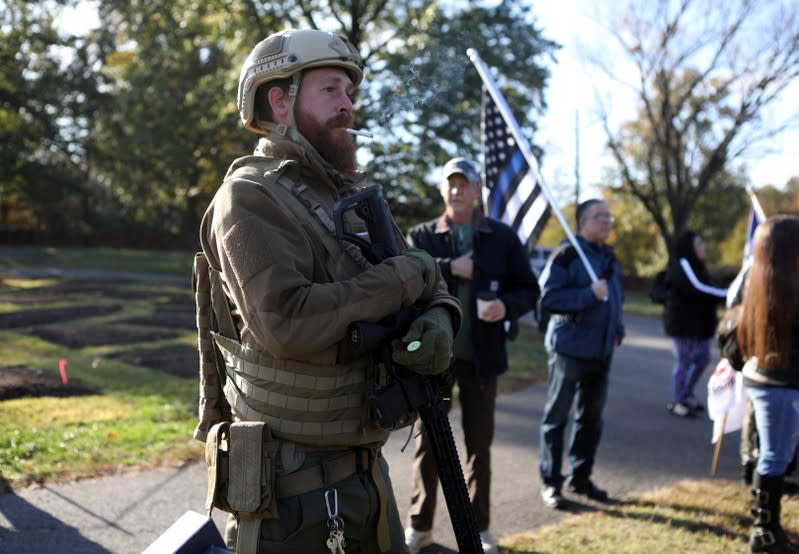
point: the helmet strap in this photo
(282, 128)
(272, 127)
(294, 91)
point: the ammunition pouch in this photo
(241, 470)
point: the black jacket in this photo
(499, 258)
(786, 377)
(689, 313)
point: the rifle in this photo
(408, 392)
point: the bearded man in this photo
(284, 392)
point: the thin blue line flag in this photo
(512, 193)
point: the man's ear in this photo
(279, 102)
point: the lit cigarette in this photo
(360, 133)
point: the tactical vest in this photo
(311, 404)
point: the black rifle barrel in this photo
(436, 425)
(371, 208)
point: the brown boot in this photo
(767, 533)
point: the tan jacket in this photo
(292, 288)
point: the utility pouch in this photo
(217, 459)
(241, 470)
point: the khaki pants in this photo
(302, 526)
(478, 399)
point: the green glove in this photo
(431, 273)
(427, 345)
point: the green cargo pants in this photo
(302, 525)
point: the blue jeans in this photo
(777, 421)
(690, 359)
(586, 383)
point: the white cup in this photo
(483, 300)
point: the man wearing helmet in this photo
(283, 390)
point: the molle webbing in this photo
(307, 403)
(302, 193)
(221, 308)
(213, 407)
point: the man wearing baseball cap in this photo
(486, 267)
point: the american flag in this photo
(512, 193)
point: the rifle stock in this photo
(408, 392)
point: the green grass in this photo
(700, 517)
(153, 413)
(139, 417)
(54, 439)
(638, 303)
(527, 361)
(145, 418)
(110, 259)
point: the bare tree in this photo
(706, 70)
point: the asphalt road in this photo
(643, 448)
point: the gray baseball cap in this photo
(462, 166)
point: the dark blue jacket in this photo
(581, 326)
(498, 257)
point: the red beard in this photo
(334, 144)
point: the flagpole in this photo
(524, 147)
(714, 464)
(756, 203)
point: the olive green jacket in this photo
(292, 287)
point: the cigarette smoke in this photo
(420, 89)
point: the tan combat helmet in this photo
(285, 54)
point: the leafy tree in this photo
(705, 71)
(42, 121)
(773, 201)
(133, 125)
(172, 126)
(422, 95)
(170, 130)
(635, 237)
(553, 233)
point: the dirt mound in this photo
(62, 325)
(20, 382)
(81, 337)
(42, 316)
(181, 361)
(172, 320)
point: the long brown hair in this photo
(771, 301)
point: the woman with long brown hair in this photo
(768, 335)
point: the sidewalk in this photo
(643, 448)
